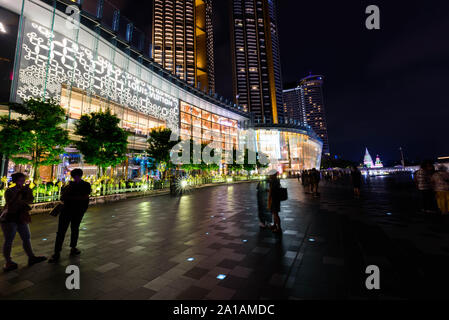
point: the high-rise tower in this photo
(313, 105)
(256, 59)
(294, 110)
(183, 40)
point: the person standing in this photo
(75, 197)
(314, 181)
(15, 218)
(356, 177)
(274, 202)
(262, 204)
(440, 183)
(423, 181)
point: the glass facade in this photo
(289, 150)
(204, 127)
(78, 102)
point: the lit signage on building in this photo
(76, 65)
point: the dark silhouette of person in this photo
(15, 218)
(314, 181)
(75, 197)
(262, 204)
(356, 177)
(274, 202)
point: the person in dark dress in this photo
(262, 204)
(274, 202)
(15, 219)
(356, 177)
(75, 197)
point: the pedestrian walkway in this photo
(207, 245)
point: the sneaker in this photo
(10, 267)
(54, 258)
(74, 252)
(34, 260)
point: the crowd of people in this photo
(310, 180)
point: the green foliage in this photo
(244, 161)
(103, 143)
(160, 147)
(35, 137)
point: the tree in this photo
(103, 143)
(160, 146)
(35, 137)
(245, 161)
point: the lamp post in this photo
(402, 157)
(2, 172)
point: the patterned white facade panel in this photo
(49, 60)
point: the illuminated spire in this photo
(367, 160)
(378, 163)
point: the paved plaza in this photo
(169, 247)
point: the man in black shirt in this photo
(75, 197)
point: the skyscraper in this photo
(313, 105)
(256, 59)
(183, 40)
(294, 110)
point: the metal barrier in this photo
(52, 192)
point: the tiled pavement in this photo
(140, 249)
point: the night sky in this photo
(383, 88)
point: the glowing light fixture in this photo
(184, 184)
(221, 277)
(190, 259)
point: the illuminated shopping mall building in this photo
(183, 40)
(256, 59)
(97, 67)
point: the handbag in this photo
(56, 211)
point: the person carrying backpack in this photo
(75, 197)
